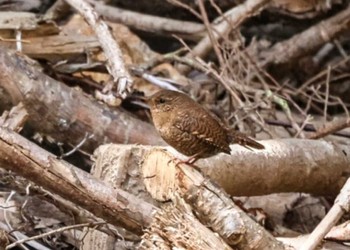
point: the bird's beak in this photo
(148, 100)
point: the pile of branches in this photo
(81, 165)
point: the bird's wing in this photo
(204, 127)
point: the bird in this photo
(190, 128)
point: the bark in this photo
(15, 119)
(215, 208)
(118, 165)
(67, 114)
(287, 165)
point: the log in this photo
(67, 114)
(211, 205)
(286, 165)
(112, 169)
(113, 205)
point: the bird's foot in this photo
(190, 161)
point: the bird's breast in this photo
(160, 119)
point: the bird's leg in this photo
(192, 159)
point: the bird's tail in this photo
(245, 141)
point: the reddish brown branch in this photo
(331, 128)
(307, 127)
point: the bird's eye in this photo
(162, 100)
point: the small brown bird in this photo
(190, 129)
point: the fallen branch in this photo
(215, 208)
(67, 114)
(149, 23)
(308, 128)
(115, 205)
(306, 42)
(297, 243)
(289, 165)
(331, 128)
(112, 51)
(46, 47)
(26, 21)
(210, 204)
(32, 162)
(231, 20)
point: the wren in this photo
(190, 129)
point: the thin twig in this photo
(235, 17)
(321, 74)
(213, 41)
(59, 230)
(186, 7)
(77, 147)
(19, 235)
(329, 69)
(307, 127)
(285, 107)
(305, 122)
(14, 233)
(331, 128)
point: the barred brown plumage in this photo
(190, 129)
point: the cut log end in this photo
(159, 173)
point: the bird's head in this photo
(163, 101)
